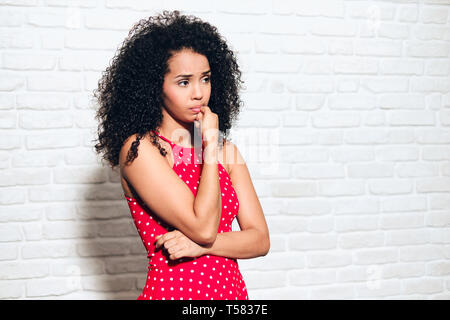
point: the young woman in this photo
(175, 79)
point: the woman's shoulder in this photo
(144, 146)
(231, 154)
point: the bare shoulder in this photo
(126, 146)
(232, 156)
(145, 148)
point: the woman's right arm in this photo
(170, 198)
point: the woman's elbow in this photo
(206, 238)
(265, 244)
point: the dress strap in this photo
(165, 139)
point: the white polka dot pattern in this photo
(207, 277)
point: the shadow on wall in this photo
(113, 260)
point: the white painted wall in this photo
(353, 95)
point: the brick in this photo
(10, 233)
(8, 251)
(274, 261)
(333, 292)
(329, 259)
(42, 101)
(430, 84)
(390, 186)
(24, 270)
(293, 189)
(402, 220)
(436, 153)
(388, 48)
(320, 224)
(286, 224)
(28, 62)
(77, 267)
(45, 120)
(264, 279)
(433, 15)
(11, 82)
(97, 40)
(103, 248)
(45, 249)
(66, 230)
(423, 285)
(115, 229)
(283, 293)
(412, 118)
(407, 237)
(11, 290)
(54, 82)
(363, 239)
(318, 171)
(378, 288)
(403, 270)
(52, 141)
(48, 287)
(356, 223)
(73, 3)
(36, 159)
(334, 27)
(386, 84)
(437, 218)
(311, 241)
(311, 277)
(375, 256)
(12, 196)
(79, 175)
(398, 153)
(126, 265)
(372, 170)
(32, 231)
(352, 274)
(23, 213)
(341, 188)
(402, 204)
(108, 283)
(351, 102)
(8, 120)
(438, 268)
(356, 205)
(425, 252)
(437, 184)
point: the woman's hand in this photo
(208, 124)
(179, 246)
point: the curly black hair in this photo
(129, 92)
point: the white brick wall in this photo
(346, 132)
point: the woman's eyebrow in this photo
(190, 75)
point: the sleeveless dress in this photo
(207, 277)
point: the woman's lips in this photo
(196, 109)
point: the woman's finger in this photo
(176, 253)
(170, 243)
(175, 249)
(162, 238)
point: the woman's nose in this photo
(197, 92)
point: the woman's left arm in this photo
(252, 241)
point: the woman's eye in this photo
(206, 79)
(183, 82)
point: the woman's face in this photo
(186, 85)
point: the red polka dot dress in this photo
(207, 277)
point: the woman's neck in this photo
(179, 133)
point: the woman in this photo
(173, 80)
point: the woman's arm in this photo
(253, 239)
